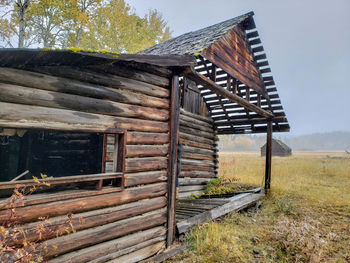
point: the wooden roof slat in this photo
(257, 49)
(265, 70)
(252, 34)
(262, 64)
(255, 41)
(260, 57)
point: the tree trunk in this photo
(79, 34)
(21, 11)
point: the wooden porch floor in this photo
(192, 212)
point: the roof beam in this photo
(191, 73)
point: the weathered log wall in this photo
(199, 160)
(116, 224)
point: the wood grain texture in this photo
(132, 179)
(32, 213)
(86, 220)
(26, 116)
(172, 161)
(232, 55)
(146, 150)
(108, 80)
(131, 72)
(145, 164)
(146, 138)
(197, 173)
(100, 252)
(140, 254)
(72, 86)
(239, 202)
(52, 99)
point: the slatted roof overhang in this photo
(229, 116)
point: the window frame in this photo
(117, 173)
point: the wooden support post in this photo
(172, 165)
(268, 156)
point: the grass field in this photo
(305, 218)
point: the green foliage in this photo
(87, 24)
(116, 28)
(224, 185)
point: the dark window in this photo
(68, 157)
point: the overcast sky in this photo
(307, 43)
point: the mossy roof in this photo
(194, 42)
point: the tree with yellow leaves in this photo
(89, 24)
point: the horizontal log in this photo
(32, 213)
(190, 149)
(57, 226)
(115, 257)
(200, 163)
(25, 116)
(70, 86)
(196, 116)
(195, 138)
(131, 179)
(193, 168)
(197, 122)
(191, 188)
(130, 72)
(193, 181)
(106, 232)
(146, 150)
(61, 180)
(197, 144)
(99, 251)
(147, 138)
(62, 245)
(196, 126)
(108, 80)
(198, 156)
(145, 164)
(52, 99)
(197, 132)
(197, 174)
(141, 254)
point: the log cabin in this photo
(114, 132)
(279, 148)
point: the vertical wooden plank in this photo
(121, 137)
(213, 73)
(172, 165)
(228, 84)
(268, 156)
(115, 154)
(234, 86)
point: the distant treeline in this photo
(330, 141)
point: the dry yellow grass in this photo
(306, 218)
